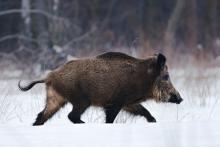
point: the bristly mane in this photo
(115, 55)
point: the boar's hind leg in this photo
(53, 103)
(138, 109)
(78, 109)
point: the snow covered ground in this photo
(117, 135)
(193, 123)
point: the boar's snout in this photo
(174, 98)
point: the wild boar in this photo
(111, 80)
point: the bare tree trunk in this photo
(40, 28)
(9, 25)
(191, 25)
(40, 24)
(169, 38)
(26, 18)
(213, 8)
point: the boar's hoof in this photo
(151, 119)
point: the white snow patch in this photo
(115, 135)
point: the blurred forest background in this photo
(41, 34)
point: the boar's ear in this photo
(161, 61)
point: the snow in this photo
(193, 123)
(107, 135)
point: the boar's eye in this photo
(165, 77)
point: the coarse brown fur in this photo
(112, 80)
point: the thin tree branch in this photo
(33, 11)
(19, 36)
(85, 35)
(106, 20)
(93, 28)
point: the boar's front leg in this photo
(111, 112)
(138, 109)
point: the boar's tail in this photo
(29, 86)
